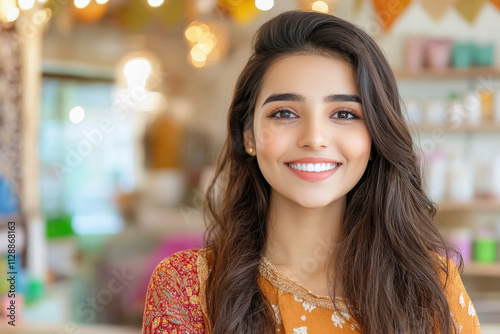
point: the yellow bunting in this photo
(389, 10)
(241, 11)
(469, 9)
(496, 3)
(436, 9)
(357, 6)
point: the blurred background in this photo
(112, 113)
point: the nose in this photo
(313, 134)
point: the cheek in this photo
(357, 145)
(271, 142)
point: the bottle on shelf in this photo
(486, 99)
(472, 105)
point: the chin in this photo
(313, 203)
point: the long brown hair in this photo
(386, 263)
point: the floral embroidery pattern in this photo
(277, 314)
(300, 330)
(471, 310)
(176, 298)
(308, 307)
(461, 300)
(172, 304)
(337, 320)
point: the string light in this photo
(155, 3)
(81, 3)
(320, 6)
(26, 4)
(264, 4)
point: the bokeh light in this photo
(26, 4)
(155, 3)
(193, 33)
(264, 4)
(76, 115)
(81, 3)
(137, 71)
(320, 6)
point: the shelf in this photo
(477, 205)
(483, 127)
(449, 73)
(479, 269)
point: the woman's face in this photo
(309, 131)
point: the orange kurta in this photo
(176, 301)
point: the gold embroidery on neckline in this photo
(283, 283)
(203, 272)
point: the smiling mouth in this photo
(314, 168)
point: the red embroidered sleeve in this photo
(172, 304)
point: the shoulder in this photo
(172, 297)
(180, 263)
(461, 306)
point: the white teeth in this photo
(319, 167)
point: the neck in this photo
(301, 240)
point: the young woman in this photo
(317, 218)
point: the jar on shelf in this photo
(485, 246)
(461, 180)
(461, 238)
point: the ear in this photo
(248, 139)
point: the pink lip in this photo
(313, 176)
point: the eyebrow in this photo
(301, 98)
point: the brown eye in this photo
(283, 114)
(344, 114)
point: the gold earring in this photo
(250, 150)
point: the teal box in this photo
(484, 54)
(462, 54)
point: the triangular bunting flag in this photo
(389, 10)
(436, 9)
(496, 3)
(357, 6)
(469, 9)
